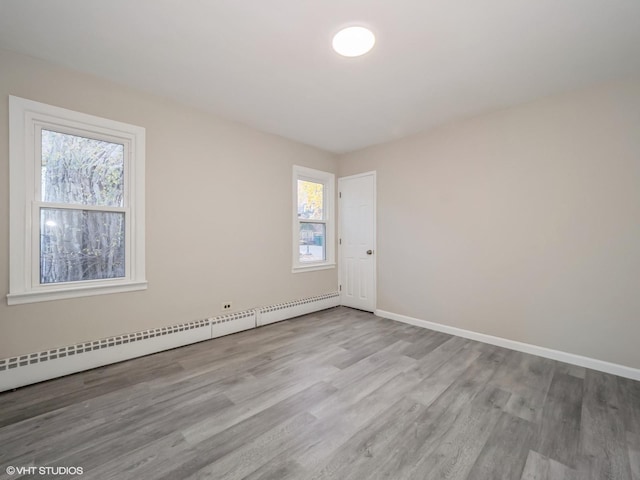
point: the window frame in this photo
(327, 179)
(27, 118)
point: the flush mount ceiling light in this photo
(353, 41)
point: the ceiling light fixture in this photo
(353, 41)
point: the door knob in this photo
(369, 252)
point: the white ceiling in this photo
(269, 64)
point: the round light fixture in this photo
(353, 41)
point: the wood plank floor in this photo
(340, 394)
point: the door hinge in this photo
(340, 288)
(339, 194)
(339, 241)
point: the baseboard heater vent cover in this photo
(36, 367)
(57, 362)
(232, 323)
(283, 311)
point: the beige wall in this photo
(205, 177)
(523, 223)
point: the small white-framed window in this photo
(76, 204)
(313, 219)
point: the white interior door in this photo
(357, 235)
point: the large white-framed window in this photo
(313, 219)
(76, 204)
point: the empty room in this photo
(298, 240)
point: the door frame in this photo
(374, 174)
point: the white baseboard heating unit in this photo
(282, 311)
(36, 367)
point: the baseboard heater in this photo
(282, 311)
(36, 367)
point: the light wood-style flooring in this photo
(340, 394)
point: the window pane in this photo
(80, 245)
(81, 170)
(312, 242)
(310, 200)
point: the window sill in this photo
(312, 268)
(73, 292)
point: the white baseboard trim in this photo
(36, 367)
(573, 359)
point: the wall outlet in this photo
(226, 306)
